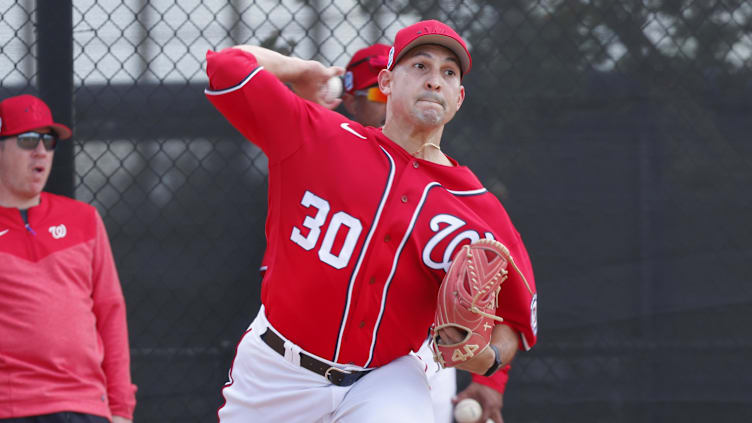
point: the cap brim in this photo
(62, 131)
(442, 40)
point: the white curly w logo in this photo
(58, 231)
(453, 226)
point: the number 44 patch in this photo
(469, 353)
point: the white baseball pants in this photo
(443, 385)
(264, 386)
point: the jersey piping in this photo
(350, 285)
(409, 230)
(238, 86)
(467, 193)
(524, 342)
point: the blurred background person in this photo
(64, 354)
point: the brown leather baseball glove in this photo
(467, 302)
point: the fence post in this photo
(55, 81)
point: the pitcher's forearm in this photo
(286, 68)
(505, 339)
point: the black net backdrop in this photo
(615, 133)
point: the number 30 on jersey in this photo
(315, 224)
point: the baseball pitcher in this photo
(374, 236)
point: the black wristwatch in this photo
(497, 361)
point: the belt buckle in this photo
(328, 374)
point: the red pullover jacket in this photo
(63, 332)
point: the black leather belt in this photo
(334, 375)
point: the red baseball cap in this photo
(429, 32)
(24, 113)
(363, 69)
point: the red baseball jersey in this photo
(359, 232)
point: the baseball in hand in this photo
(333, 89)
(467, 411)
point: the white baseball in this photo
(333, 89)
(467, 411)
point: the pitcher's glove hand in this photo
(467, 302)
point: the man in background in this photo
(64, 354)
(362, 99)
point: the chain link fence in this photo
(615, 133)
